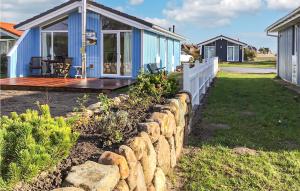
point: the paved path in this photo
(249, 70)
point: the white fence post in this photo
(197, 79)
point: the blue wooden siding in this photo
(94, 51)
(136, 52)
(170, 55)
(163, 53)
(177, 50)
(74, 41)
(150, 49)
(169, 50)
(18, 63)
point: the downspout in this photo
(83, 30)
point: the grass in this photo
(271, 127)
(255, 64)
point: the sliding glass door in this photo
(233, 53)
(117, 54)
(110, 54)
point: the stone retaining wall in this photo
(144, 161)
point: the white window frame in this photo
(7, 44)
(205, 57)
(52, 32)
(158, 58)
(233, 55)
(118, 32)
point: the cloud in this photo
(135, 2)
(158, 21)
(120, 8)
(283, 4)
(20, 10)
(210, 13)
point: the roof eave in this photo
(221, 37)
(281, 22)
(50, 14)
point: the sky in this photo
(197, 20)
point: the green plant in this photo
(30, 143)
(249, 54)
(155, 85)
(106, 103)
(81, 102)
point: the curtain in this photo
(127, 54)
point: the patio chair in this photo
(35, 64)
(153, 69)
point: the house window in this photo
(6, 45)
(110, 24)
(209, 52)
(54, 40)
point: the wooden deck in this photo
(61, 84)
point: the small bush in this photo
(31, 143)
(249, 54)
(154, 85)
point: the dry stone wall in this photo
(145, 160)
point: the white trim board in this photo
(52, 15)
(221, 37)
(9, 54)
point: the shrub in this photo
(31, 143)
(154, 85)
(81, 102)
(249, 54)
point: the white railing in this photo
(198, 78)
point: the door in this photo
(230, 53)
(117, 54)
(110, 54)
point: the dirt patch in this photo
(60, 102)
(248, 113)
(244, 151)
(290, 144)
(288, 85)
(206, 131)
(86, 149)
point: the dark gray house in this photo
(287, 31)
(227, 49)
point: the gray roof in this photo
(290, 19)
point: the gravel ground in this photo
(249, 70)
(59, 102)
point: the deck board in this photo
(62, 84)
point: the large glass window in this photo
(55, 40)
(110, 24)
(60, 25)
(3, 47)
(209, 52)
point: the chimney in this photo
(173, 28)
(170, 29)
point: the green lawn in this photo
(257, 64)
(261, 115)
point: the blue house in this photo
(227, 49)
(118, 45)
